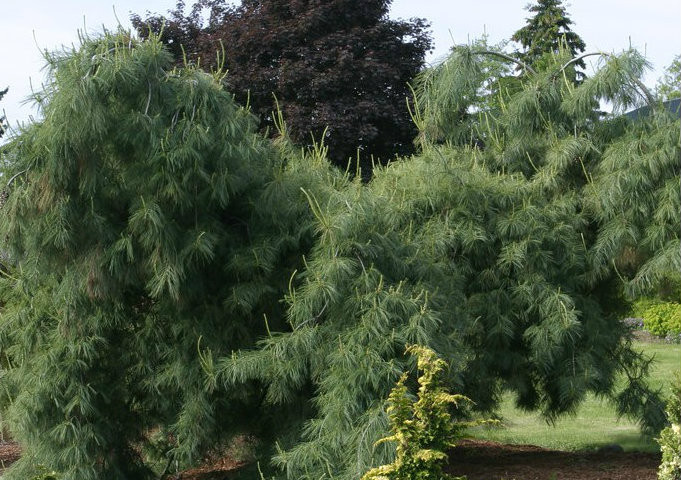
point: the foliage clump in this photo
(659, 318)
(46, 474)
(423, 430)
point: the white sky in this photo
(29, 26)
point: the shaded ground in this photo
(493, 461)
(218, 470)
(480, 461)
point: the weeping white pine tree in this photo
(144, 217)
(169, 269)
(620, 174)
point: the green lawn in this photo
(594, 425)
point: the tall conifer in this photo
(546, 32)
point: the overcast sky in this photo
(29, 26)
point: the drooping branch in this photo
(506, 57)
(650, 98)
(577, 59)
(15, 176)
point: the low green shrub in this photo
(640, 306)
(670, 437)
(659, 318)
(423, 430)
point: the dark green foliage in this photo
(339, 69)
(546, 32)
(423, 429)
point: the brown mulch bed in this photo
(480, 460)
(646, 337)
(493, 461)
(216, 470)
(9, 453)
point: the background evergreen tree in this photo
(669, 86)
(546, 32)
(339, 69)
